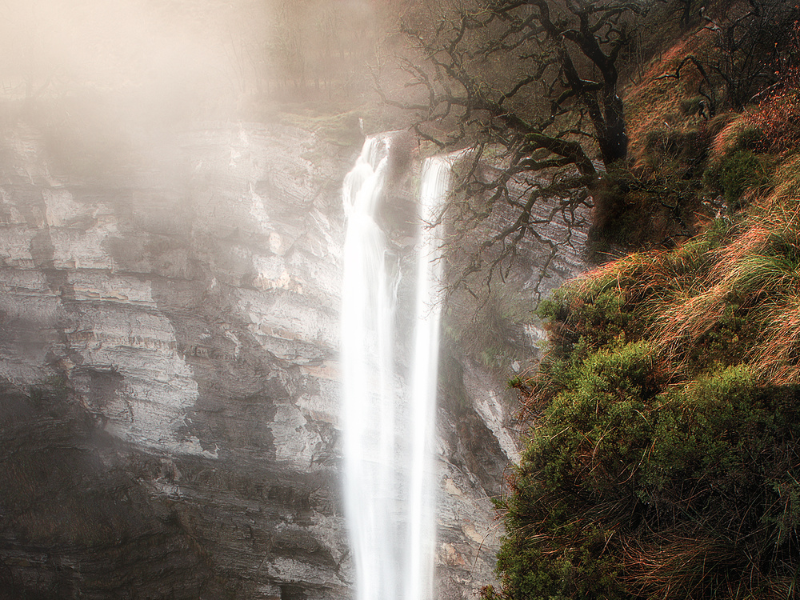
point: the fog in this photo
(159, 53)
(128, 66)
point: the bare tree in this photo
(751, 39)
(751, 47)
(530, 86)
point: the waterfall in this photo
(389, 476)
(422, 515)
(369, 399)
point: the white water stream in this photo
(389, 433)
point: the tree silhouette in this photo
(531, 87)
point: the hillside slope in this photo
(664, 450)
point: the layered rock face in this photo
(169, 394)
(168, 346)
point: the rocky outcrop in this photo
(168, 357)
(169, 389)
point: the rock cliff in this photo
(168, 377)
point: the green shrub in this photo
(631, 488)
(738, 172)
(652, 474)
(576, 466)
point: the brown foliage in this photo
(777, 116)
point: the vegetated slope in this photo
(664, 451)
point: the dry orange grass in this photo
(637, 274)
(777, 356)
(759, 271)
(684, 318)
(726, 139)
(684, 294)
(654, 102)
(751, 274)
(752, 240)
(676, 568)
(787, 182)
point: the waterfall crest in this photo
(389, 477)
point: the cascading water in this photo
(421, 503)
(389, 478)
(368, 425)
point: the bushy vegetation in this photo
(664, 451)
(665, 455)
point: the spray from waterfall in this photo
(389, 477)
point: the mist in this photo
(115, 73)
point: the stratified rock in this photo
(167, 353)
(169, 387)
